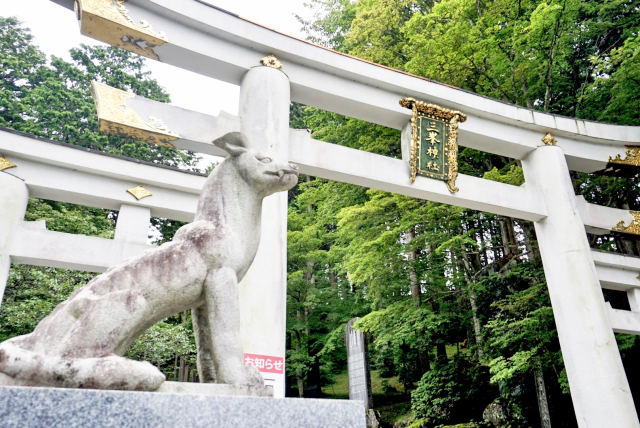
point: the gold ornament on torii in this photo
(632, 157)
(139, 192)
(6, 163)
(271, 61)
(108, 21)
(632, 228)
(117, 118)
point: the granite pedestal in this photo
(70, 408)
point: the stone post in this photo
(14, 197)
(265, 95)
(599, 387)
(358, 366)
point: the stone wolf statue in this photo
(80, 344)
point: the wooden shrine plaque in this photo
(434, 141)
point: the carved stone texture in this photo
(81, 343)
(358, 366)
(108, 21)
(117, 118)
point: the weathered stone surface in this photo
(372, 419)
(79, 345)
(358, 366)
(215, 389)
(53, 407)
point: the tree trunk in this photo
(300, 383)
(181, 370)
(472, 300)
(543, 405)
(175, 368)
(476, 322)
(299, 377)
(529, 239)
(506, 248)
(441, 349)
(525, 91)
(413, 278)
(425, 361)
(513, 241)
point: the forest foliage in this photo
(424, 276)
(454, 300)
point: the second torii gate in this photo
(201, 38)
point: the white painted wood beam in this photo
(79, 176)
(83, 188)
(42, 150)
(75, 175)
(627, 322)
(619, 279)
(34, 245)
(347, 165)
(606, 258)
(617, 271)
(67, 174)
(224, 46)
(599, 219)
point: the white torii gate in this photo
(201, 38)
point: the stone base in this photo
(214, 389)
(78, 408)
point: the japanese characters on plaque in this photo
(434, 141)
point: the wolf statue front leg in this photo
(221, 297)
(202, 333)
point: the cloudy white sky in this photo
(56, 31)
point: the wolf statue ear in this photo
(234, 143)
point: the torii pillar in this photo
(14, 197)
(265, 95)
(599, 387)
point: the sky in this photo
(56, 31)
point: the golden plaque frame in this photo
(449, 119)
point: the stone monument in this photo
(359, 371)
(81, 343)
(358, 366)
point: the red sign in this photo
(265, 363)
